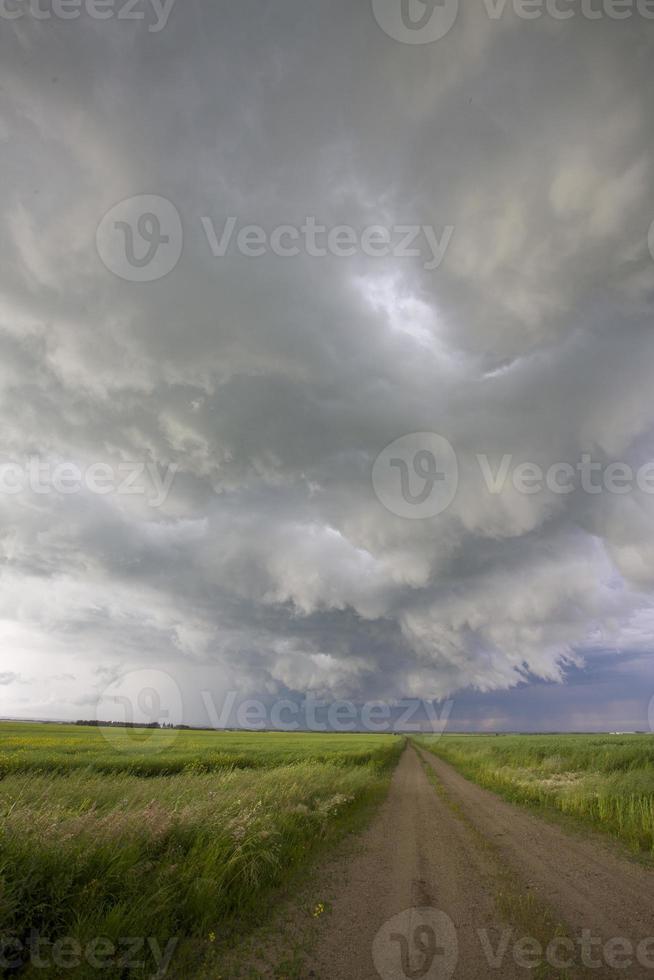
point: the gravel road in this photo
(449, 881)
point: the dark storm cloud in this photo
(270, 384)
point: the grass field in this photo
(604, 781)
(60, 749)
(164, 836)
(147, 853)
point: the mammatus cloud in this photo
(266, 386)
(8, 677)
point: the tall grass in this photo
(51, 749)
(191, 856)
(606, 781)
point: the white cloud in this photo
(273, 383)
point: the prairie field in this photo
(61, 749)
(177, 837)
(604, 781)
(134, 853)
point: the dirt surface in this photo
(448, 878)
(589, 884)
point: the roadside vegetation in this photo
(183, 839)
(60, 749)
(604, 781)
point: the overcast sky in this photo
(255, 544)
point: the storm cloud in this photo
(266, 385)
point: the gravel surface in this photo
(425, 894)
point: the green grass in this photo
(150, 752)
(603, 781)
(93, 842)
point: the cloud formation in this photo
(271, 384)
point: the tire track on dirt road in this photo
(499, 874)
(589, 884)
(415, 854)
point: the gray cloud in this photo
(8, 677)
(273, 383)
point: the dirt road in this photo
(451, 881)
